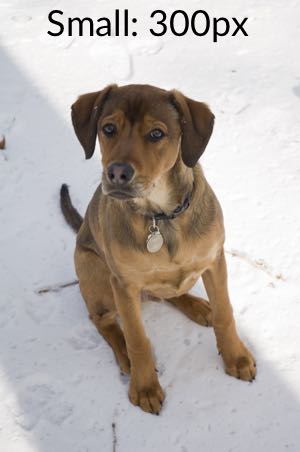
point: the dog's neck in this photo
(170, 192)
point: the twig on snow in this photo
(113, 425)
(2, 141)
(56, 287)
(256, 263)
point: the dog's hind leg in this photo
(94, 282)
(195, 308)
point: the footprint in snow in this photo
(112, 59)
(41, 401)
(296, 90)
(21, 18)
(84, 338)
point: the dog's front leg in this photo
(144, 389)
(237, 359)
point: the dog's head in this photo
(142, 131)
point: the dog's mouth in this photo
(121, 194)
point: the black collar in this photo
(180, 209)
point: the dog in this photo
(152, 228)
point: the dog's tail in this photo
(73, 218)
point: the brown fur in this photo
(114, 268)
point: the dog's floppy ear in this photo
(197, 122)
(86, 112)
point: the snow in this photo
(59, 385)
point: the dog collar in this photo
(155, 239)
(179, 209)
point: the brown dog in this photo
(153, 227)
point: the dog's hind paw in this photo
(195, 308)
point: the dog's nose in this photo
(120, 173)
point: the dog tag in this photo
(155, 240)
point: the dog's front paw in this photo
(149, 397)
(240, 365)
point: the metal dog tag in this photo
(155, 240)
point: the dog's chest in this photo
(164, 277)
(172, 284)
(171, 280)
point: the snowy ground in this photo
(60, 388)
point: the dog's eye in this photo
(109, 129)
(156, 135)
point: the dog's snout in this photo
(120, 173)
